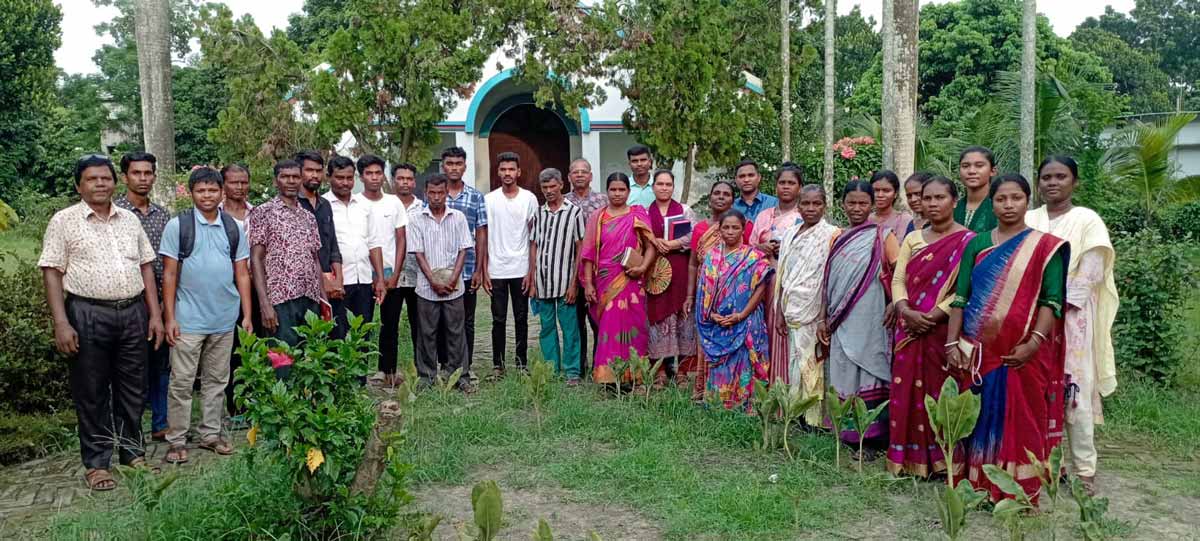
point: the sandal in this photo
(218, 446)
(177, 454)
(99, 480)
(141, 464)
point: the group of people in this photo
(1015, 304)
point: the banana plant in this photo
(619, 366)
(488, 509)
(543, 533)
(409, 385)
(792, 406)
(1091, 511)
(952, 417)
(1048, 472)
(648, 373)
(1008, 511)
(765, 404)
(447, 385)
(954, 504)
(537, 384)
(838, 410)
(863, 417)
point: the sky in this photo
(80, 16)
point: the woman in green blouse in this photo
(976, 167)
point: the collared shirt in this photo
(440, 241)
(359, 230)
(392, 214)
(588, 205)
(207, 299)
(289, 236)
(329, 253)
(471, 204)
(408, 277)
(641, 195)
(508, 238)
(556, 233)
(241, 223)
(153, 221)
(761, 202)
(100, 257)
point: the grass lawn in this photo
(22, 246)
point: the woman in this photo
(1006, 330)
(976, 167)
(1090, 309)
(614, 291)
(887, 188)
(912, 193)
(769, 229)
(672, 335)
(799, 281)
(733, 331)
(922, 290)
(855, 300)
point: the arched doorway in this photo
(537, 135)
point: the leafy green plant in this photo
(1091, 511)
(1008, 511)
(537, 384)
(645, 371)
(777, 408)
(838, 411)
(33, 374)
(618, 367)
(953, 505)
(1139, 156)
(1154, 277)
(410, 384)
(765, 405)
(423, 527)
(792, 405)
(446, 386)
(147, 487)
(488, 508)
(543, 533)
(952, 417)
(1048, 472)
(863, 417)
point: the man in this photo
(98, 256)
(555, 242)
(510, 210)
(313, 171)
(439, 239)
(360, 237)
(139, 170)
(588, 202)
(206, 283)
(641, 192)
(469, 202)
(402, 281)
(752, 201)
(237, 188)
(284, 258)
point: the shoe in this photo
(467, 388)
(159, 435)
(497, 374)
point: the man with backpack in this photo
(206, 280)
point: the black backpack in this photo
(187, 234)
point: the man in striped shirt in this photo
(554, 246)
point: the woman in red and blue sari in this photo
(732, 327)
(922, 291)
(1006, 330)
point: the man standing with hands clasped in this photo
(510, 211)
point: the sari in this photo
(620, 310)
(671, 332)
(920, 367)
(771, 224)
(1000, 288)
(798, 285)
(705, 237)
(860, 348)
(735, 355)
(900, 222)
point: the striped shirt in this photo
(556, 233)
(472, 206)
(440, 241)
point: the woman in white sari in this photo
(803, 250)
(1090, 310)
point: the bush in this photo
(28, 436)
(1154, 278)
(33, 375)
(1181, 221)
(35, 210)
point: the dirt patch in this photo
(1154, 512)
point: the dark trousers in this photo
(235, 359)
(502, 291)
(290, 315)
(441, 320)
(158, 379)
(389, 330)
(585, 320)
(108, 380)
(359, 300)
(469, 298)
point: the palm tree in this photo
(830, 80)
(900, 85)
(1028, 85)
(1055, 129)
(152, 31)
(1139, 157)
(785, 54)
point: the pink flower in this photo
(279, 359)
(181, 190)
(848, 153)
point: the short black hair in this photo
(638, 150)
(1065, 160)
(454, 152)
(889, 176)
(93, 160)
(616, 177)
(285, 164)
(508, 157)
(790, 168)
(131, 157)
(1014, 178)
(405, 165)
(987, 153)
(858, 186)
(667, 172)
(205, 174)
(732, 213)
(234, 167)
(744, 163)
(367, 160)
(309, 156)
(436, 179)
(939, 179)
(338, 162)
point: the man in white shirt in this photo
(510, 210)
(394, 213)
(361, 236)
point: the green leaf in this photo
(488, 508)
(1003, 480)
(543, 532)
(1007, 509)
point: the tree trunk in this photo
(689, 165)
(1028, 86)
(374, 459)
(152, 32)
(887, 108)
(905, 30)
(830, 99)
(785, 53)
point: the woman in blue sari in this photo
(733, 330)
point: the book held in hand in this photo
(675, 227)
(631, 258)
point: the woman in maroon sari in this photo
(672, 332)
(922, 290)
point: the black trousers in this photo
(235, 359)
(441, 320)
(389, 330)
(359, 300)
(468, 298)
(502, 291)
(585, 320)
(108, 380)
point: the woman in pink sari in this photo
(922, 290)
(769, 229)
(615, 234)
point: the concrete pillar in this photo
(590, 143)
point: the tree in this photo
(830, 82)
(900, 85)
(31, 35)
(154, 78)
(199, 93)
(318, 20)
(785, 60)
(1140, 159)
(1028, 84)
(1164, 28)
(1135, 73)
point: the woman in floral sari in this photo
(798, 285)
(855, 300)
(732, 328)
(1006, 330)
(922, 290)
(614, 291)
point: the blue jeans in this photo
(555, 314)
(158, 375)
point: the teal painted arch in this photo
(515, 100)
(584, 125)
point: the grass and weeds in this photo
(29, 436)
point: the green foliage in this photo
(863, 417)
(953, 503)
(488, 509)
(777, 407)
(952, 417)
(199, 94)
(31, 35)
(1154, 276)
(25, 436)
(543, 532)
(1181, 221)
(147, 487)
(1139, 159)
(537, 382)
(838, 411)
(1048, 472)
(1135, 72)
(33, 375)
(1163, 30)
(1091, 511)
(1008, 511)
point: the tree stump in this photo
(374, 459)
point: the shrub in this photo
(28, 436)
(1181, 221)
(33, 375)
(1154, 277)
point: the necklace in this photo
(970, 214)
